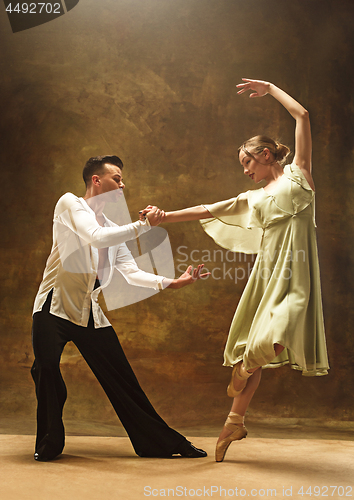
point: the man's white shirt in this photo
(72, 265)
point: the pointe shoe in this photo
(240, 372)
(232, 423)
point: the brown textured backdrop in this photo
(154, 82)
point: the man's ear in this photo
(96, 180)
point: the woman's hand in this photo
(142, 213)
(189, 277)
(261, 88)
(154, 215)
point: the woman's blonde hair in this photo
(258, 143)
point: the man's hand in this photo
(189, 277)
(153, 214)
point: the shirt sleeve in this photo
(70, 212)
(127, 266)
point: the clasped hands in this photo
(155, 216)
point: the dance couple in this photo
(278, 320)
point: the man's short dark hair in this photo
(96, 166)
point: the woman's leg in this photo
(242, 401)
(238, 384)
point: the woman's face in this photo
(256, 166)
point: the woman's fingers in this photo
(260, 88)
(244, 87)
(155, 215)
(144, 212)
(249, 82)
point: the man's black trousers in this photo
(149, 434)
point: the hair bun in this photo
(281, 151)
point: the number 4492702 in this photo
(327, 491)
(34, 8)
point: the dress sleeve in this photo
(294, 173)
(230, 227)
(301, 192)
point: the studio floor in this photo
(290, 463)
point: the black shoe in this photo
(186, 449)
(43, 458)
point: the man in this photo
(87, 249)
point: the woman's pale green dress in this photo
(281, 303)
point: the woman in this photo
(279, 318)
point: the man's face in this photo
(111, 181)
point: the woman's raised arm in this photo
(303, 141)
